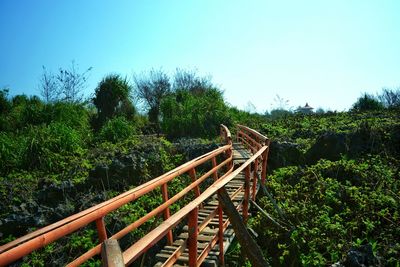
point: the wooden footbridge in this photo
(196, 235)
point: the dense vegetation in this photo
(60, 154)
(333, 181)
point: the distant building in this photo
(305, 110)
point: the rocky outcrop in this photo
(282, 154)
(328, 146)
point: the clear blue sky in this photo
(325, 53)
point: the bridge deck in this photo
(235, 189)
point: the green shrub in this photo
(194, 115)
(72, 115)
(116, 129)
(328, 207)
(367, 102)
(48, 145)
(12, 149)
(5, 104)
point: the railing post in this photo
(214, 164)
(164, 191)
(264, 166)
(101, 229)
(246, 194)
(221, 232)
(220, 221)
(230, 153)
(255, 179)
(192, 174)
(192, 240)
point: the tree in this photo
(367, 102)
(279, 113)
(188, 80)
(67, 85)
(72, 83)
(112, 98)
(4, 102)
(390, 98)
(150, 89)
(197, 115)
(48, 86)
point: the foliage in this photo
(367, 102)
(75, 116)
(4, 103)
(333, 206)
(194, 115)
(151, 88)
(112, 99)
(12, 152)
(188, 80)
(67, 85)
(47, 145)
(116, 129)
(279, 113)
(390, 98)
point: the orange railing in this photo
(254, 141)
(22, 246)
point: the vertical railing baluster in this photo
(220, 221)
(101, 229)
(221, 233)
(192, 239)
(192, 174)
(246, 194)
(214, 164)
(255, 179)
(167, 214)
(264, 166)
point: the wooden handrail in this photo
(124, 198)
(226, 135)
(261, 137)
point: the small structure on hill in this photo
(307, 109)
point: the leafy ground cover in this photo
(338, 200)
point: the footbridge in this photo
(198, 234)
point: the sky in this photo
(326, 53)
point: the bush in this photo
(4, 103)
(116, 129)
(73, 115)
(367, 102)
(332, 207)
(194, 115)
(12, 149)
(48, 145)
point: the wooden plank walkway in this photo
(208, 212)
